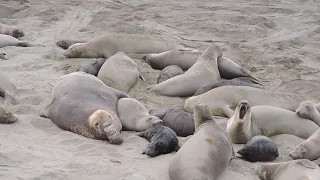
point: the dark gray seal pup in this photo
(163, 140)
(3, 56)
(224, 82)
(180, 121)
(260, 148)
(169, 72)
(92, 67)
(65, 44)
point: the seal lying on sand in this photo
(92, 67)
(65, 44)
(83, 104)
(108, 45)
(178, 120)
(226, 98)
(120, 72)
(267, 121)
(293, 170)
(206, 154)
(6, 40)
(162, 139)
(169, 72)
(11, 31)
(204, 71)
(308, 110)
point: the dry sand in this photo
(278, 40)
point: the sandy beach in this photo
(278, 40)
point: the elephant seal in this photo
(260, 148)
(178, 120)
(83, 104)
(3, 56)
(204, 71)
(267, 121)
(163, 140)
(206, 154)
(120, 72)
(8, 91)
(226, 98)
(109, 44)
(294, 170)
(65, 44)
(6, 40)
(169, 72)
(92, 67)
(308, 110)
(134, 116)
(11, 31)
(224, 82)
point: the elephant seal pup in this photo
(83, 104)
(119, 72)
(92, 67)
(267, 121)
(134, 116)
(308, 110)
(224, 82)
(294, 170)
(260, 148)
(109, 44)
(204, 71)
(169, 72)
(11, 31)
(178, 120)
(227, 98)
(6, 40)
(206, 154)
(65, 44)
(163, 140)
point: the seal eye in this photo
(96, 125)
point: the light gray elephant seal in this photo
(169, 72)
(178, 120)
(308, 110)
(227, 98)
(163, 140)
(260, 148)
(206, 154)
(120, 72)
(65, 44)
(204, 71)
(294, 170)
(267, 121)
(6, 40)
(109, 44)
(92, 67)
(134, 116)
(224, 82)
(11, 31)
(83, 104)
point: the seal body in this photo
(204, 71)
(178, 120)
(92, 67)
(83, 104)
(6, 40)
(11, 31)
(206, 154)
(248, 122)
(260, 148)
(162, 139)
(8, 91)
(169, 72)
(308, 110)
(134, 116)
(65, 44)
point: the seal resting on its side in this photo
(11, 31)
(6, 40)
(169, 72)
(92, 67)
(206, 154)
(65, 44)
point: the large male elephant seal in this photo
(204, 71)
(109, 44)
(223, 100)
(134, 116)
(169, 72)
(11, 31)
(65, 44)
(92, 67)
(294, 170)
(206, 154)
(308, 110)
(178, 120)
(248, 122)
(120, 72)
(83, 104)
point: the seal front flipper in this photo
(140, 75)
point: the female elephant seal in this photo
(308, 110)
(83, 104)
(206, 154)
(134, 116)
(169, 72)
(92, 67)
(267, 121)
(204, 71)
(120, 72)
(11, 31)
(65, 44)
(108, 45)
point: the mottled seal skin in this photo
(224, 82)
(92, 67)
(169, 72)
(308, 110)
(163, 140)
(65, 44)
(11, 31)
(178, 120)
(260, 148)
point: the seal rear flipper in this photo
(252, 76)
